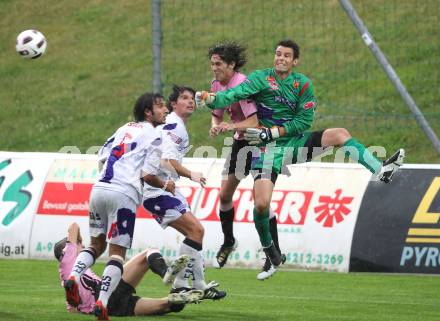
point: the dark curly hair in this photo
(288, 43)
(144, 102)
(229, 52)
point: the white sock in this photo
(110, 279)
(84, 260)
(198, 271)
(195, 269)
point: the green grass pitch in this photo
(30, 290)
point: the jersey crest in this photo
(272, 82)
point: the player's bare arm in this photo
(156, 181)
(215, 122)
(174, 165)
(73, 234)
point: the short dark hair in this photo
(229, 52)
(58, 248)
(177, 90)
(144, 102)
(288, 43)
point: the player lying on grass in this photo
(123, 301)
(286, 106)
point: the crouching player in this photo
(123, 301)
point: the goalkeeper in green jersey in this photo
(286, 107)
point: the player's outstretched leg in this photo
(391, 165)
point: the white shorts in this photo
(113, 214)
(167, 207)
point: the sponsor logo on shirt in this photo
(309, 105)
(285, 101)
(295, 84)
(272, 83)
(175, 138)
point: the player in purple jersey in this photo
(123, 301)
(172, 209)
(226, 60)
(115, 197)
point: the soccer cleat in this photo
(72, 292)
(273, 254)
(100, 311)
(184, 297)
(212, 293)
(175, 267)
(268, 269)
(222, 255)
(391, 165)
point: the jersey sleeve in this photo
(105, 150)
(172, 137)
(306, 111)
(251, 86)
(151, 165)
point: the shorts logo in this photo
(309, 105)
(272, 83)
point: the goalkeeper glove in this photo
(203, 97)
(261, 135)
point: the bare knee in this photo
(98, 244)
(226, 196)
(335, 137)
(196, 232)
(262, 204)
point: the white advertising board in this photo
(316, 206)
(21, 182)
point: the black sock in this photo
(157, 264)
(227, 220)
(274, 232)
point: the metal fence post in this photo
(157, 44)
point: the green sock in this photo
(365, 157)
(261, 222)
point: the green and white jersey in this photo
(289, 102)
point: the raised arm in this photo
(251, 86)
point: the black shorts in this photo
(311, 144)
(239, 160)
(122, 301)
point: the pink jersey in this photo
(89, 284)
(237, 111)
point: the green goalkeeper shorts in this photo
(302, 148)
